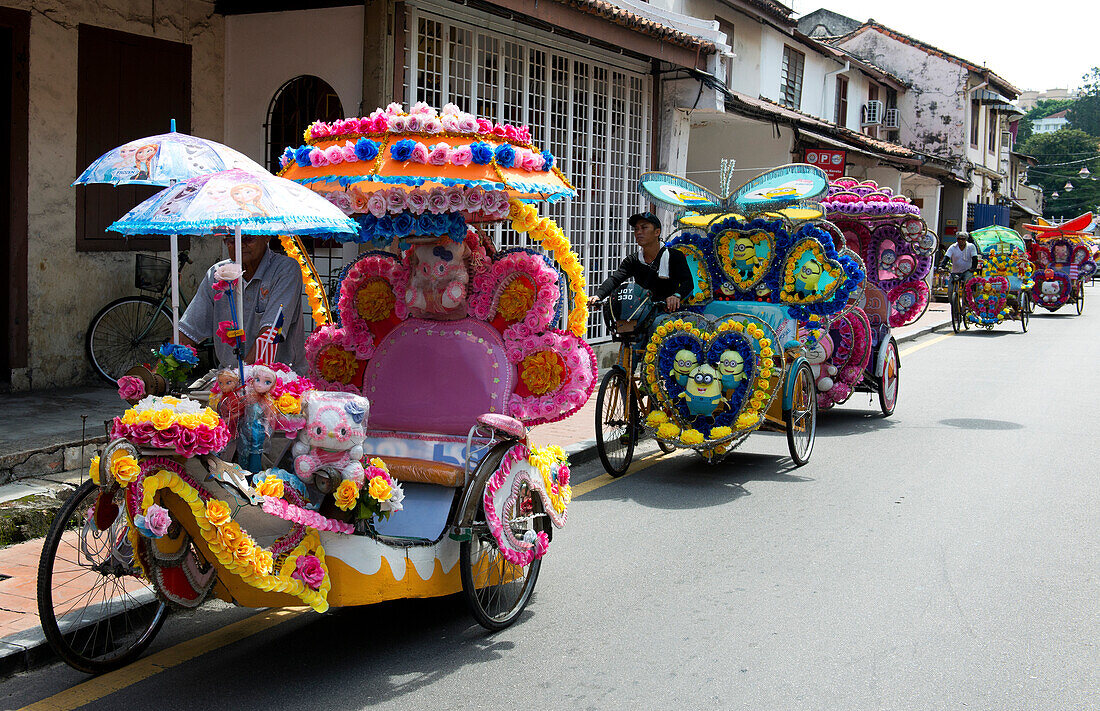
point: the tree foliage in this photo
(1075, 148)
(1042, 109)
(1085, 112)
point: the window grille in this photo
(790, 91)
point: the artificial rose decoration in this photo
(131, 389)
(271, 486)
(157, 520)
(124, 468)
(308, 569)
(346, 494)
(380, 489)
(217, 512)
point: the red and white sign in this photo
(832, 162)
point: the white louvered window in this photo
(591, 111)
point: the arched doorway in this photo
(298, 103)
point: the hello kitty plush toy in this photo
(818, 357)
(438, 278)
(336, 425)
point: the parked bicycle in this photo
(125, 331)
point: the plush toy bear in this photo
(336, 425)
(437, 280)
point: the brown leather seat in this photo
(424, 471)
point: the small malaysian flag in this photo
(268, 340)
(1073, 272)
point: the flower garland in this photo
(474, 201)
(383, 230)
(546, 232)
(379, 280)
(987, 307)
(234, 549)
(574, 386)
(515, 551)
(546, 460)
(505, 272)
(172, 423)
(311, 281)
(281, 508)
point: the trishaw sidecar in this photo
(1063, 259)
(412, 473)
(1002, 288)
(733, 361)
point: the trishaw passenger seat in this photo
(423, 471)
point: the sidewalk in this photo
(40, 416)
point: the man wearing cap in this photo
(964, 258)
(661, 270)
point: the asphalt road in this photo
(943, 558)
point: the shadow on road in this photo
(967, 423)
(842, 422)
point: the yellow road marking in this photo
(95, 689)
(101, 686)
(914, 349)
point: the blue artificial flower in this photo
(366, 149)
(288, 155)
(182, 354)
(457, 229)
(505, 155)
(482, 152)
(383, 229)
(403, 224)
(547, 160)
(402, 150)
(301, 156)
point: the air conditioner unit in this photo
(871, 114)
(893, 119)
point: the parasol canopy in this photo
(987, 237)
(424, 149)
(1072, 228)
(163, 160)
(247, 202)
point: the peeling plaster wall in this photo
(933, 110)
(66, 287)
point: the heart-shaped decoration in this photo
(712, 379)
(555, 375)
(840, 358)
(895, 256)
(908, 302)
(700, 275)
(809, 275)
(986, 299)
(745, 256)
(1051, 289)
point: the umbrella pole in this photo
(239, 296)
(173, 241)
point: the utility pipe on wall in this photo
(825, 89)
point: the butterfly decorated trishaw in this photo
(1063, 259)
(411, 474)
(1001, 291)
(768, 282)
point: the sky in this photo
(1034, 45)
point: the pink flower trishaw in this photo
(411, 474)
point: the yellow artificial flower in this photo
(337, 365)
(380, 489)
(542, 372)
(129, 417)
(376, 462)
(656, 418)
(288, 404)
(163, 419)
(515, 300)
(720, 432)
(229, 536)
(209, 418)
(262, 561)
(244, 550)
(217, 512)
(188, 420)
(124, 468)
(375, 300)
(515, 209)
(668, 430)
(145, 416)
(347, 493)
(93, 470)
(271, 486)
(692, 436)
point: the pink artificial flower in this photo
(422, 108)
(416, 200)
(334, 155)
(379, 124)
(318, 129)
(455, 198)
(451, 109)
(528, 161)
(439, 154)
(307, 568)
(433, 125)
(462, 156)
(339, 126)
(157, 520)
(484, 126)
(394, 109)
(473, 199)
(395, 200)
(398, 124)
(467, 124)
(437, 201)
(500, 131)
(317, 158)
(376, 203)
(449, 123)
(511, 132)
(348, 152)
(341, 200)
(131, 388)
(414, 123)
(525, 134)
(419, 153)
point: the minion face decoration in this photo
(744, 256)
(703, 395)
(684, 361)
(731, 366)
(807, 277)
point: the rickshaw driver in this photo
(662, 270)
(270, 280)
(964, 259)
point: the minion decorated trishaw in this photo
(411, 474)
(768, 280)
(1063, 260)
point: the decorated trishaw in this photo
(859, 354)
(733, 360)
(411, 474)
(1002, 288)
(1063, 259)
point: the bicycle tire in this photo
(126, 625)
(123, 333)
(801, 419)
(616, 408)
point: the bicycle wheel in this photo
(801, 419)
(1079, 302)
(956, 311)
(616, 422)
(888, 387)
(97, 613)
(1025, 310)
(123, 333)
(495, 589)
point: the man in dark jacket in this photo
(661, 270)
